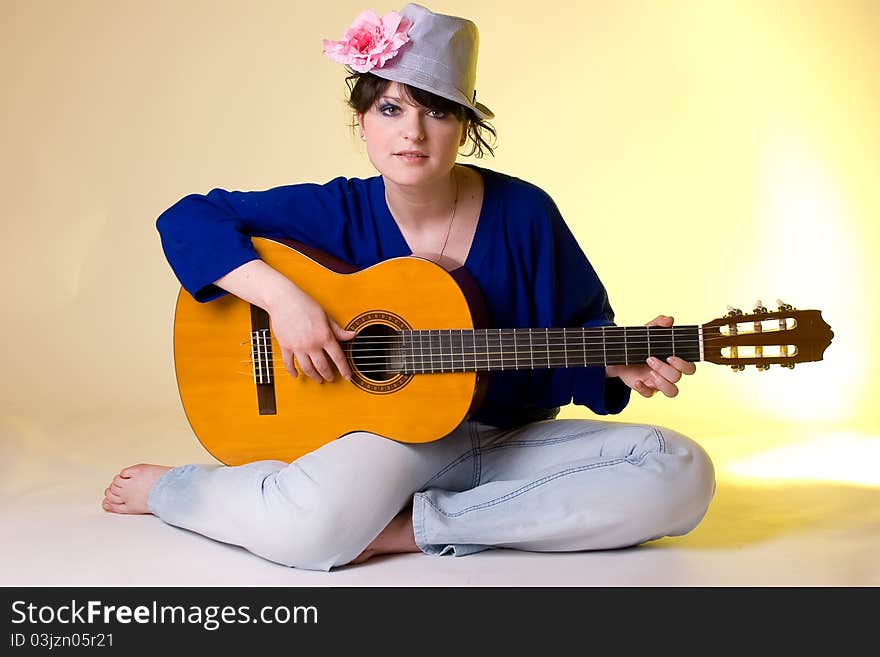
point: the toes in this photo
(130, 471)
(113, 497)
(113, 507)
(133, 470)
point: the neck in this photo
(473, 350)
(421, 206)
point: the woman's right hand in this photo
(305, 333)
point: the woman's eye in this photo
(437, 114)
(388, 110)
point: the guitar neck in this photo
(487, 350)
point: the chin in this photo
(407, 174)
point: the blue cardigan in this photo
(530, 268)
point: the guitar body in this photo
(214, 356)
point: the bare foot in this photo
(128, 491)
(396, 538)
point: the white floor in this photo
(53, 473)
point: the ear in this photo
(360, 120)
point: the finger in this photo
(661, 320)
(663, 385)
(682, 365)
(319, 360)
(289, 364)
(339, 359)
(305, 364)
(642, 389)
(665, 370)
(341, 333)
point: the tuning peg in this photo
(783, 306)
(731, 311)
(762, 366)
(738, 368)
(759, 308)
(788, 365)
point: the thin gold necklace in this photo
(451, 219)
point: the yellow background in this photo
(704, 154)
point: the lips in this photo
(411, 154)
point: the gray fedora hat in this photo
(433, 52)
(441, 57)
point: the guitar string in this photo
(411, 348)
(569, 333)
(432, 339)
(442, 357)
(486, 357)
(615, 331)
(520, 351)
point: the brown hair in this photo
(365, 88)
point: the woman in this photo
(509, 476)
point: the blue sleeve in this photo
(569, 288)
(205, 237)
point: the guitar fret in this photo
(488, 352)
(515, 352)
(638, 344)
(412, 350)
(407, 344)
(604, 348)
(531, 350)
(461, 337)
(584, 345)
(547, 345)
(451, 360)
(501, 348)
(427, 361)
(565, 345)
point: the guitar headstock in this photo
(761, 338)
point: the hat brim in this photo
(414, 79)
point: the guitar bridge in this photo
(262, 362)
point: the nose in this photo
(412, 128)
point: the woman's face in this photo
(409, 144)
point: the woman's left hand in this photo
(655, 374)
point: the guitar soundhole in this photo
(376, 353)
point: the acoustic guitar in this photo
(421, 356)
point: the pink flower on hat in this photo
(370, 41)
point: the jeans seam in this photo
(660, 440)
(538, 443)
(661, 447)
(478, 458)
(454, 463)
(525, 489)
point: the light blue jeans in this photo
(555, 485)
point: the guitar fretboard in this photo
(484, 350)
